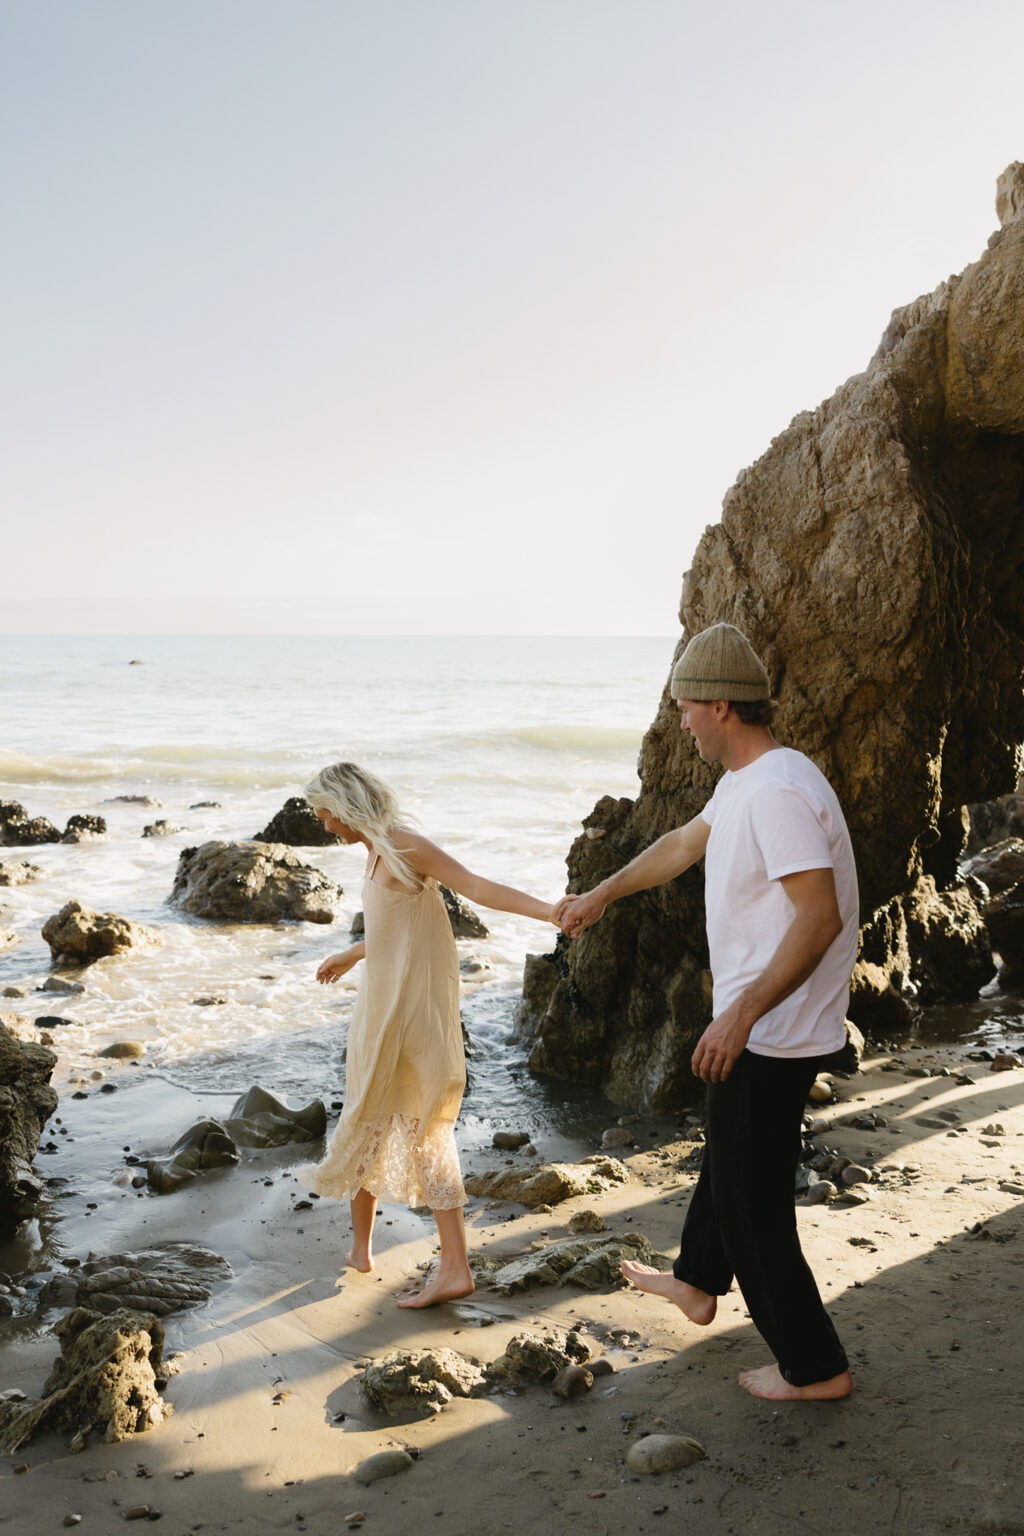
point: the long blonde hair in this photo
(367, 805)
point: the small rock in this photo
(510, 1141)
(123, 1050)
(664, 1453)
(72, 1520)
(820, 1193)
(572, 1381)
(587, 1221)
(161, 829)
(384, 1464)
(616, 1136)
(602, 1366)
(1005, 1061)
(820, 1091)
(854, 1174)
(138, 1512)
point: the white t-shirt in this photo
(775, 817)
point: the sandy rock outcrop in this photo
(252, 882)
(105, 1380)
(592, 1263)
(26, 1103)
(79, 936)
(551, 1183)
(873, 557)
(298, 825)
(18, 872)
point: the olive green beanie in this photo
(720, 663)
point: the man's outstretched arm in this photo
(816, 923)
(662, 861)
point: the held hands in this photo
(721, 1044)
(574, 913)
(335, 966)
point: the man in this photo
(782, 919)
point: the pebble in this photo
(820, 1091)
(853, 1173)
(664, 1453)
(384, 1464)
(856, 1194)
(139, 1512)
(123, 1050)
(356, 1518)
(72, 1520)
(995, 1129)
(820, 1193)
(616, 1136)
(1005, 1061)
(818, 1127)
(602, 1366)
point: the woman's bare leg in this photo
(363, 1206)
(454, 1277)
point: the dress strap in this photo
(373, 866)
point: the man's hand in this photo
(721, 1044)
(574, 913)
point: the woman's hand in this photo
(336, 966)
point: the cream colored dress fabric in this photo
(405, 1067)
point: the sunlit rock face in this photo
(873, 557)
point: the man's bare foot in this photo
(698, 1305)
(358, 1259)
(443, 1287)
(768, 1381)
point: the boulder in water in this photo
(252, 882)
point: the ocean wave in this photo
(191, 764)
(592, 740)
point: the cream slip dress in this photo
(405, 1066)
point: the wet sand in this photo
(924, 1283)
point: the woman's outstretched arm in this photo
(427, 859)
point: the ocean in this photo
(497, 747)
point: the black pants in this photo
(742, 1220)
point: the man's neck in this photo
(745, 745)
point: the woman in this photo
(406, 1068)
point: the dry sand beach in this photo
(924, 1282)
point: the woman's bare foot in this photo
(445, 1286)
(358, 1258)
(698, 1305)
(768, 1381)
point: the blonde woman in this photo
(406, 1069)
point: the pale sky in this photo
(449, 316)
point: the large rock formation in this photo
(252, 882)
(873, 557)
(26, 1103)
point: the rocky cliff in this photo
(873, 557)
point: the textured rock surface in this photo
(26, 1103)
(18, 872)
(79, 936)
(422, 1379)
(169, 1277)
(873, 557)
(591, 1263)
(538, 1357)
(252, 882)
(298, 825)
(550, 1183)
(104, 1380)
(84, 829)
(20, 830)
(1004, 918)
